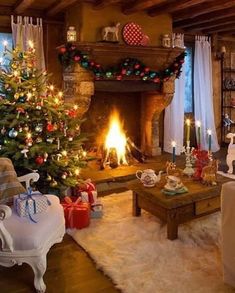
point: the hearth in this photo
(139, 103)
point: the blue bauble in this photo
(22, 99)
(13, 133)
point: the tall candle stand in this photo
(188, 170)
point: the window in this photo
(5, 37)
(188, 103)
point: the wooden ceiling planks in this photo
(22, 5)
(142, 5)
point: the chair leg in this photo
(39, 265)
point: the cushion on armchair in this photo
(9, 183)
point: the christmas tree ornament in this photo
(64, 175)
(55, 126)
(19, 111)
(29, 141)
(45, 157)
(39, 128)
(24, 152)
(50, 139)
(13, 133)
(49, 127)
(26, 127)
(20, 129)
(6, 141)
(70, 138)
(53, 183)
(39, 160)
(48, 178)
(38, 139)
(3, 130)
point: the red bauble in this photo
(50, 127)
(92, 63)
(119, 77)
(72, 113)
(123, 72)
(39, 160)
(156, 79)
(137, 66)
(146, 69)
(77, 58)
(62, 50)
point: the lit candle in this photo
(209, 139)
(5, 43)
(188, 130)
(198, 124)
(173, 143)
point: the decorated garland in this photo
(69, 54)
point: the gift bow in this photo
(88, 188)
(28, 196)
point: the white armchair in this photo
(23, 241)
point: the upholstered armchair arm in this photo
(28, 178)
(5, 237)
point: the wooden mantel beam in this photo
(99, 4)
(204, 8)
(229, 12)
(23, 5)
(60, 6)
(211, 24)
(170, 7)
(142, 5)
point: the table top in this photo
(196, 192)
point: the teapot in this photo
(148, 177)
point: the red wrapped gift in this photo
(76, 213)
(87, 191)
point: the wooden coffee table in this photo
(200, 200)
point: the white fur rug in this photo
(136, 255)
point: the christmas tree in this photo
(38, 131)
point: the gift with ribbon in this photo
(97, 210)
(76, 213)
(87, 192)
(30, 203)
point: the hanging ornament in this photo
(19, 111)
(29, 141)
(16, 95)
(50, 139)
(24, 152)
(26, 127)
(38, 139)
(13, 133)
(50, 127)
(48, 178)
(20, 129)
(39, 128)
(45, 157)
(21, 99)
(39, 160)
(3, 130)
(70, 138)
(53, 183)
(58, 143)
(64, 175)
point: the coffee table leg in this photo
(136, 210)
(172, 225)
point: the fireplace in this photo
(138, 103)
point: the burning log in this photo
(135, 151)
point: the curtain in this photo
(203, 92)
(24, 30)
(174, 117)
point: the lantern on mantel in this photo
(71, 34)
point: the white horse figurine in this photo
(231, 153)
(110, 30)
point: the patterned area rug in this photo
(136, 255)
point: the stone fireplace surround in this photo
(80, 86)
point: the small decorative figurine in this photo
(231, 153)
(166, 41)
(171, 169)
(227, 121)
(209, 173)
(110, 33)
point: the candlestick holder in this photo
(188, 170)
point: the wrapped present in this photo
(97, 210)
(76, 213)
(87, 191)
(30, 203)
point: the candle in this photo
(173, 143)
(5, 43)
(188, 130)
(198, 124)
(209, 139)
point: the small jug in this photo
(148, 177)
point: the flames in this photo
(116, 139)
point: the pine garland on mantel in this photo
(70, 54)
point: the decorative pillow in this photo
(9, 183)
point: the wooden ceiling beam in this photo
(223, 28)
(175, 6)
(204, 8)
(142, 5)
(204, 18)
(211, 24)
(99, 4)
(59, 6)
(22, 5)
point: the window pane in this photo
(8, 38)
(188, 103)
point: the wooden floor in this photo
(69, 269)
